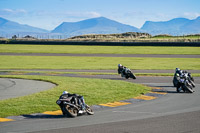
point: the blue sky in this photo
(48, 14)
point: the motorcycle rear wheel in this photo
(126, 76)
(70, 111)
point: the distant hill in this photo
(193, 26)
(100, 25)
(177, 26)
(10, 27)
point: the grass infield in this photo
(98, 63)
(95, 91)
(12, 48)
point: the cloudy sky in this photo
(48, 14)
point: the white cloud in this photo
(13, 11)
(89, 14)
(191, 15)
(94, 14)
(7, 10)
(10, 12)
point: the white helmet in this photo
(119, 65)
(65, 92)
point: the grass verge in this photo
(95, 91)
(12, 48)
(98, 63)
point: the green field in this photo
(11, 48)
(71, 62)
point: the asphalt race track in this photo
(11, 88)
(173, 112)
(170, 113)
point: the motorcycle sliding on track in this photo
(73, 105)
(183, 81)
(125, 72)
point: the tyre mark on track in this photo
(104, 55)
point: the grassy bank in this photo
(95, 91)
(11, 48)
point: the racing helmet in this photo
(177, 69)
(119, 65)
(65, 92)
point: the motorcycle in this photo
(177, 77)
(72, 107)
(184, 83)
(129, 74)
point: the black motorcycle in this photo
(184, 83)
(129, 74)
(188, 76)
(72, 107)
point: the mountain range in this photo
(102, 25)
(177, 26)
(99, 25)
(10, 27)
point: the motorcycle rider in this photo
(80, 99)
(177, 74)
(122, 70)
(180, 72)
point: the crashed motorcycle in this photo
(184, 83)
(72, 107)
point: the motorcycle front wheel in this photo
(133, 76)
(188, 87)
(89, 110)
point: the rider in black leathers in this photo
(121, 70)
(181, 73)
(80, 99)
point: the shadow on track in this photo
(169, 91)
(166, 91)
(44, 116)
